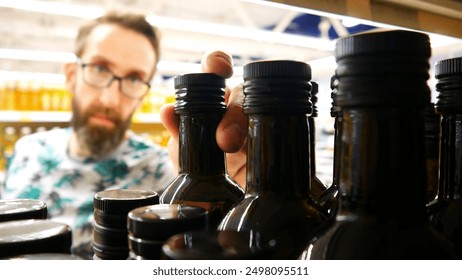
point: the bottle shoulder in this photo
(375, 240)
(202, 188)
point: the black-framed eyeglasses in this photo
(99, 76)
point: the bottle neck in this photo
(382, 157)
(450, 181)
(198, 150)
(278, 158)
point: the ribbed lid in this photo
(121, 201)
(383, 41)
(34, 236)
(277, 69)
(199, 92)
(158, 222)
(451, 66)
(277, 86)
(314, 97)
(448, 73)
(383, 68)
(21, 209)
(198, 79)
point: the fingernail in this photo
(224, 57)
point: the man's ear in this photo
(70, 72)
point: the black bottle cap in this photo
(199, 92)
(116, 221)
(335, 111)
(159, 222)
(384, 67)
(34, 236)
(314, 97)
(448, 73)
(277, 86)
(144, 249)
(383, 42)
(211, 244)
(121, 201)
(110, 237)
(22, 209)
(102, 252)
(448, 67)
(47, 256)
(199, 79)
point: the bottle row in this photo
(382, 203)
(31, 95)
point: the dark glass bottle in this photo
(203, 180)
(446, 210)
(317, 185)
(432, 142)
(277, 205)
(329, 198)
(382, 92)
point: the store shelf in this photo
(54, 117)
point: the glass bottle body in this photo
(381, 212)
(446, 209)
(202, 180)
(277, 205)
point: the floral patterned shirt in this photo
(41, 168)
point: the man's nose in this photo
(110, 95)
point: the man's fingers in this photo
(232, 130)
(218, 62)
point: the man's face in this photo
(102, 116)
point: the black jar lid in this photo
(22, 209)
(213, 244)
(34, 236)
(159, 222)
(121, 201)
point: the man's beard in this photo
(99, 140)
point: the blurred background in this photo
(37, 37)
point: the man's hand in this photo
(232, 130)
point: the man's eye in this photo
(101, 68)
(133, 79)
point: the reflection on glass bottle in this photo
(277, 206)
(432, 142)
(382, 91)
(203, 180)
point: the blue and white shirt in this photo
(41, 168)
